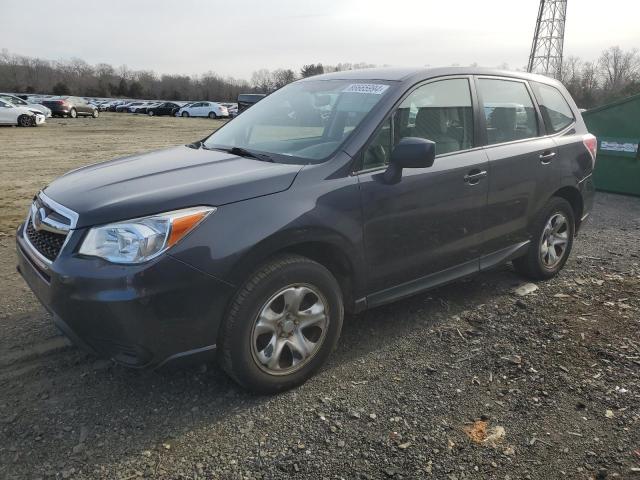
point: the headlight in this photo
(141, 239)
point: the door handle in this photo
(474, 176)
(546, 157)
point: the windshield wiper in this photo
(243, 152)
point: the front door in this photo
(431, 220)
(7, 113)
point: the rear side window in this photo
(508, 110)
(556, 112)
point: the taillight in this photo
(591, 142)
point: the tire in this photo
(185, 114)
(25, 121)
(73, 113)
(536, 264)
(241, 345)
(150, 113)
(212, 115)
(95, 114)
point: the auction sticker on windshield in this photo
(371, 88)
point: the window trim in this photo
(359, 157)
(542, 131)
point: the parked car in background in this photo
(71, 107)
(246, 100)
(20, 116)
(115, 104)
(124, 107)
(19, 102)
(142, 108)
(204, 109)
(166, 108)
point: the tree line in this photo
(22, 74)
(615, 74)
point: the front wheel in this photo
(150, 113)
(95, 114)
(185, 114)
(212, 115)
(282, 325)
(552, 235)
(25, 121)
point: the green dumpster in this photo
(617, 126)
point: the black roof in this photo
(406, 74)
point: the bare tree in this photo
(617, 68)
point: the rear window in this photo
(555, 110)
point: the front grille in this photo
(48, 244)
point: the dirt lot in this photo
(467, 381)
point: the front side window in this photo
(440, 111)
(508, 109)
(303, 122)
(556, 112)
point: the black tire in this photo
(150, 113)
(212, 115)
(95, 114)
(531, 265)
(235, 339)
(73, 113)
(185, 114)
(25, 121)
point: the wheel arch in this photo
(574, 197)
(325, 247)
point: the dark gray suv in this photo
(336, 193)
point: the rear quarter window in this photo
(556, 112)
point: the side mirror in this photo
(410, 152)
(413, 152)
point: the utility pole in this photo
(548, 39)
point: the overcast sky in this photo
(236, 37)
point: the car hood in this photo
(165, 180)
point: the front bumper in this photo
(139, 315)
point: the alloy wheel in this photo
(554, 240)
(289, 329)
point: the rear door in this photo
(520, 161)
(431, 219)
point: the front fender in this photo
(231, 243)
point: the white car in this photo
(18, 102)
(21, 116)
(203, 109)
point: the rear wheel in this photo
(282, 325)
(212, 115)
(150, 113)
(73, 113)
(552, 235)
(185, 114)
(95, 114)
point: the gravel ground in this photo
(469, 381)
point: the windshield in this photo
(304, 121)
(14, 100)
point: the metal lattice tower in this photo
(548, 39)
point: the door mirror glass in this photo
(413, 152)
